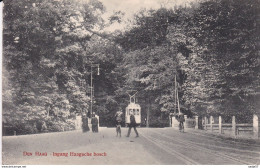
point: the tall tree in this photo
(229, 30)
(44, 52)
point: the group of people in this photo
(94, 123)
(119, 119)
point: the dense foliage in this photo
(212, 47)
(215, 48)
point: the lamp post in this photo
(91, 87)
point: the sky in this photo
(129, 7)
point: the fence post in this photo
(196, 122)
(185, 122)
(234, 132)
(211, 122)
(255, 126)
(205, 123)
(219, 125)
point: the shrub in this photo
(29, 129)
(55, 128)
(20, 128)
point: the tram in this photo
(133, 108)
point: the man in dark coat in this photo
(132, 124)
(94, 122)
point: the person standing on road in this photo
(85, 127)
(132, 124)
(119, 118)
(94, 122)
(181, 120)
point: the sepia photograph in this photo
(130, 82)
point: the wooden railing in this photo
(235, 128)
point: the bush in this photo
(20, 128)
(59, 126)
(55, 128)
(70, 126)
(32, 127)
(29, 129)
(8, 129)
(39, 125)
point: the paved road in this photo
(154, 146)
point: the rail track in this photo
(174, 142)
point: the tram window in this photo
(130, 111)
(137, 111)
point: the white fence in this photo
(233, 128)
(230, 128)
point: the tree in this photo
(229, 30)
(43, 43)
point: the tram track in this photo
(191, 145)
(219, 141)
(227, 148)
(172, 152)
(218, 138)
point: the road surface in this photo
(154, 146)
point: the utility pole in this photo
(175, 94)
(178, 101)
(91, 87)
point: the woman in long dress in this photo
(85, 127)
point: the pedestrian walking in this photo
(132, 125)
(94, 122)
(119, 119)
(85, 127)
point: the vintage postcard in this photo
(130, 82)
